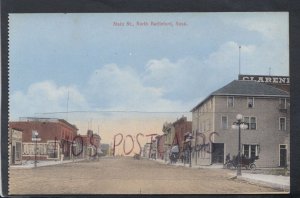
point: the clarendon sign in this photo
(267, 79)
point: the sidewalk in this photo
(273, 181)
(30, 164)
(217, 166)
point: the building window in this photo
(251, 122)
(208, 125)
(29, 148)
(250, 150)
(282, 124)
(250, 102)
(282, 103)
(18, 150)
(52, 149)
(224, 122)
(230, 101)
(210, 104)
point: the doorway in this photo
(282, 155)
(217, 153)
(13, 155)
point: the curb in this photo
(41, 165)
(282, 187)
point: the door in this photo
(217, 153)
(282, 156)
(13, 155)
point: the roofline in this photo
(256, 95)
(252, 95)
(68, 123)
(211, 95)
(17, 129)
(37, 119)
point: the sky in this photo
(97, 70)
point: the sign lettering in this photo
(267, 79)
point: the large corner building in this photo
(266, 110)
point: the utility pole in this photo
(68, 105)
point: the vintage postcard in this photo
(149, 103)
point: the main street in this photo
(126, 176)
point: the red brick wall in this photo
(47, 130)
(95, 140)
(181, 127)
(160, 146)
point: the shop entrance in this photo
(217, 153)
(282, 155)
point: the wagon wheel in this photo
(252, 166)
(229, 166)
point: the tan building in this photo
(169, 133)
(266, 110)
(15, 146)
(146, 150)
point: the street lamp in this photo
(35, 135)
(74, 147)
(239, 124)
(189, 140)
(192, 142)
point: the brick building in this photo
(160, 139)
(54, 138)
(174, 135)
(181, 128)
(266, 110)
(91, 145)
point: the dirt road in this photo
(125, 176)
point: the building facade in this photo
(174, 136)
(15, 146)
(266, 111)
(181, 127)
(46, 138)
(160, 139)
(91, 145)
(169, 133)
(146, 150)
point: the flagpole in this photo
(239, 60)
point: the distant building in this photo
(105, 148)
(169, 133)
(266, 110)
(15, 146)
(160, 139)
(92, 144)
(182, 127)
(146, 150)
(174, 135)
(153, 149)
(53, 141)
